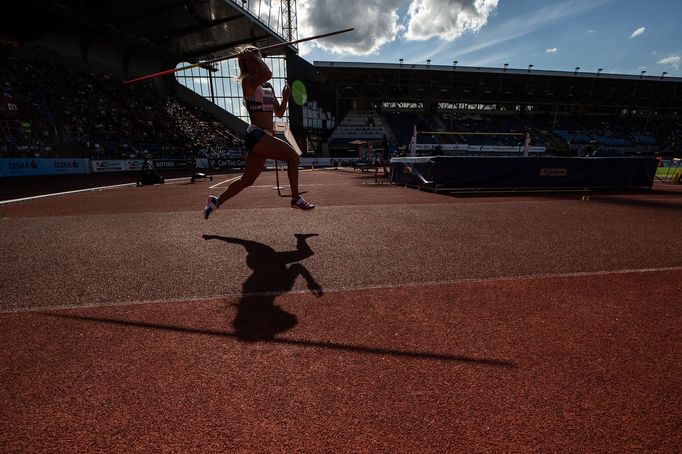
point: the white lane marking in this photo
(300, 186)
(475, 280)
(55, 194)
(223, 182)
(76, 191)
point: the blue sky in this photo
(620, 36)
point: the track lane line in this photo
(229, 180)
(576, 274)
(76, 191)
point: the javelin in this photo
(214, 60)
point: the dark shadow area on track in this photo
(557, 193)
(258, 317)
(552, 194)
(296, 342)
(641, 203)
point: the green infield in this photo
(669, 171)
(669, 174)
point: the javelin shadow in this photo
(294, 342)
(258, 317)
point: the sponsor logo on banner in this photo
(65, 164)
(173, 163)
(42, 166)
(544, 172)
(134, 164)
(223, 163)
(107, 165)
(22, 165)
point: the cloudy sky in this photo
(620, 36)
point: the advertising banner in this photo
(477, 148)
(108, 165)
(134, 164)
(12, 167)
(116, 165)
(172, 164)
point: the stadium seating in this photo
(357, 125)
(401, 125)
(606, 131)
(51, 110)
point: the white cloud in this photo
(637, 32)
(551, 50)
(376, 23)
(673, 61)
(523, 25)
(446, 19)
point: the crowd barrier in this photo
(504, 172)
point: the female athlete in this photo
(260, 141)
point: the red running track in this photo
(386, 320)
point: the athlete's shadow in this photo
(258, 318)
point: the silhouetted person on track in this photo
(261, 102)
(257, 316)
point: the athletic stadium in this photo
(493, 263)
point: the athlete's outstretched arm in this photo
(280, 109)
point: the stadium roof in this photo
(459, 84)
(183, 30)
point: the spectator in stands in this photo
(56, 112)
(261, 102)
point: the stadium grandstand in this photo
(566, 113)
(62, 65)
(53, 112)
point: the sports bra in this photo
(262, 100)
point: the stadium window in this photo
(227, 90)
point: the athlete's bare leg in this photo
(267, 148)
(273, 148)
(253, 166)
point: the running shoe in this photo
(300, 203)
(211, 206)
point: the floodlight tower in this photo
(289, 20)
